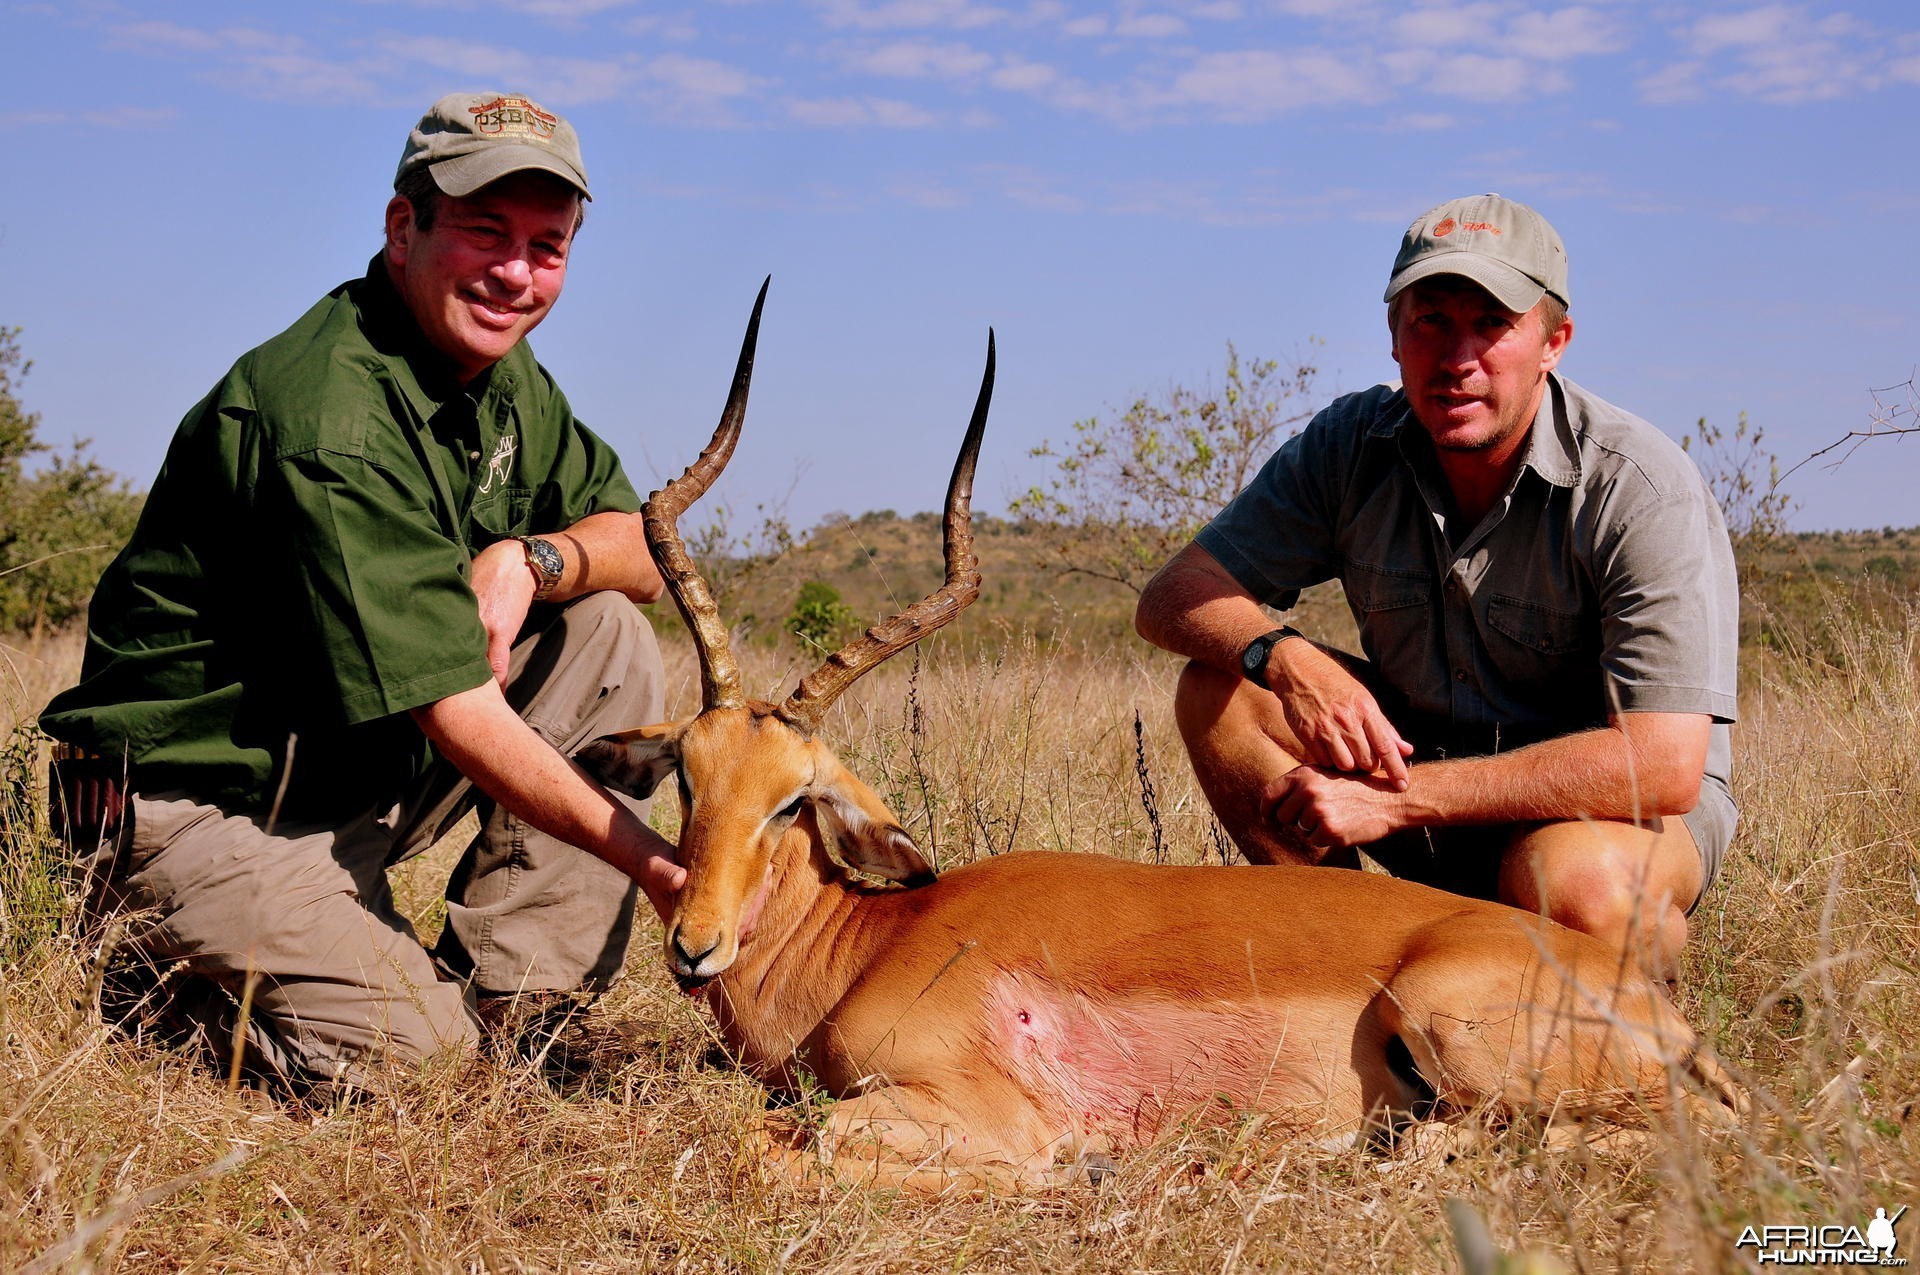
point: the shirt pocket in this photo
(503, 512)
(1394, 608)
(1536, 645)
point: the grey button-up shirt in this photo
(1601, 580)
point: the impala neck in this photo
(808, 945)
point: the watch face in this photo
(545, 557)
(547, 563)
(1253, 661)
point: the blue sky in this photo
(1118, 189)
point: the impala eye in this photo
(792, 809)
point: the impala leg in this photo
(907, 1139)
(1497, 1019)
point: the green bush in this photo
(819, 617)
(58, 526)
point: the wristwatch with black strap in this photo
(547, 563)
(1253, 660)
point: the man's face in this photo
(1474, 370)
(490, 268)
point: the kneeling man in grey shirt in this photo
(1547, 608)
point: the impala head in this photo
(751, 774)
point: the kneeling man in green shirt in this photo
(1546, 603)
(383, 579)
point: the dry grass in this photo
(1801, 974)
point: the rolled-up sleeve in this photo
(1277, 536)
(1669, 604)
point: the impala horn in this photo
(719, 671)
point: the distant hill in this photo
(881, 562)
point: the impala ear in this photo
(864, 833)
(634, 761)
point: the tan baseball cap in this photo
(1505, 247)
(470, 139)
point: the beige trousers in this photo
(299, 920)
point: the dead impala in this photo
(1035, 1008)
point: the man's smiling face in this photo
(488, 269)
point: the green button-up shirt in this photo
(299, 577)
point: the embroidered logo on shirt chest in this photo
(500, 466)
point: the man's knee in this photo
(1613, 881)
(611, 618)
(1203, 700)
(597, 662)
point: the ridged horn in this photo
(719, 672)
(818, 690)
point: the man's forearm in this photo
(606, 551)
(479, 733)
(1650, 766)
(1193, 607)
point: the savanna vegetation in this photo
(1036, 722)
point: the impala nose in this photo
(689, 961)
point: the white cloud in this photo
(1679, 82)
(919, 59)
(1781, 53)
(1741, 30)
(676, 27)
(1092, 25)
(895, 15)
(563, 11)
(1017, 75)
(256, 63)
(1443, 25)
(926, 193)
(174, 36)
(1314, 8)
(1569, 33)
(859, 112)
(1028, 187)
(1480, 78)
(570, 80)
(1254, 84)
(112, 117)
(1152, 26)
(701, 79)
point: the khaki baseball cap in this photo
(470, 139)
(1505, 247)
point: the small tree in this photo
(819, 617)
(1744, 477)
(1129, 491)
(59, 526)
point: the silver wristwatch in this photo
(544, 557)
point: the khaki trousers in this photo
(299, 921)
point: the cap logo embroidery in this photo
(1448, 225)
(515, 115)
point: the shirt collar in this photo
(391, 328)
(1550, 448)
